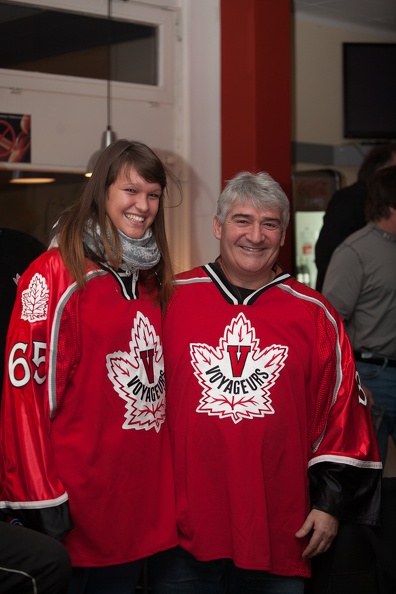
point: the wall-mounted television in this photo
(369, 90)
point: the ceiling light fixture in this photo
(30, 177)
(108, 135)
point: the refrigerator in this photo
(312, 191)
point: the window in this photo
(75, 44)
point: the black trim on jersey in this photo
(236, 295)
(54, 521)
(129, 289)
(350, 493)
(127, 282)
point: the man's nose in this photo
(256, 234)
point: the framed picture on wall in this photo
(15, 138)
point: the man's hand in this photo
(324, 528)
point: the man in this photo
(264, 406)
(345, 212)
(361, 285)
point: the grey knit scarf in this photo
(137, 254)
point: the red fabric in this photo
(256, 393)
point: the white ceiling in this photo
(378, 14)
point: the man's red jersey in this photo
(267, 419)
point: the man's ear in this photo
(216, 228)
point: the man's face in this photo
(250, 240)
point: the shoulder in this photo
(185, 285)
(50, 267)
(355, 191)
(301, 291)
(46, 262)
(348, 199)
(196, 274)
(46, 273)
(308, 298)
(356, 240)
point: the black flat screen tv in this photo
(369, 91)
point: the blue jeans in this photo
(114, 579)
(382, 383)
(177, 572)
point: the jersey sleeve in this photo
(30, 486)
(344, 469)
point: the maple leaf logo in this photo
(138, 377)
(237, 376)
(35, 300)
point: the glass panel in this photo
(73, 44)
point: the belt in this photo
(374, 359)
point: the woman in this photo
(85, 446)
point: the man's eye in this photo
(271, 226)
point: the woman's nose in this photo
(142, 202)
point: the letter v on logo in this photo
(147, 358)
(238, 355)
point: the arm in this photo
(31, 487)
(345, 469)
(343, 282)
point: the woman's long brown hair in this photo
(91, 209)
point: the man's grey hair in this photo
(258, 189)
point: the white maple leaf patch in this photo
(35, 300)
(138, 377)
(237, 376)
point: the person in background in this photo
(85, 447)
(361, 284)
(345, 211)
(271, 435)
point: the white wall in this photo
(201, 124)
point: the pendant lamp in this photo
(108, 135)
(30, 177)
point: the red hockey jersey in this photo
(263, 405)
(83, 429)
